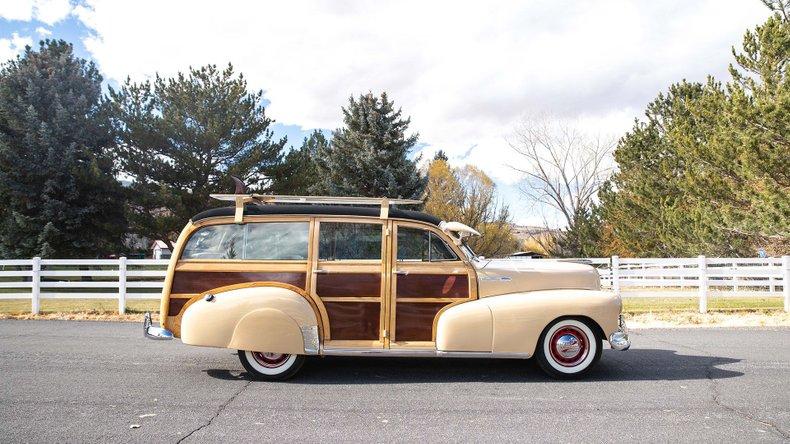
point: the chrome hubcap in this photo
(569, 346)
(270, 360)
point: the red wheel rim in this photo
(569, 346)
(270, 360)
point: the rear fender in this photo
(262, 317)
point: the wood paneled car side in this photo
(281, 282)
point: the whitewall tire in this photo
(568, 348)
(267, 366)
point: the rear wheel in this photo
(266, 366)
(568, 348)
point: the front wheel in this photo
(568, 348)
(265, 366)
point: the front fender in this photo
(512, 323)
(257, 318)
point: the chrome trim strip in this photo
(421, 353)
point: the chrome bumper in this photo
(152, 332)
(619, 339)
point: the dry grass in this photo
(715, 319)
(638, 305)
(82, 316)
(97, 306)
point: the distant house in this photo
(160, 250)
(527, 255)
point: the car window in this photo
(339, 241)
(419, 245)
(440, 251)
(413, 244)
(277, 240)
(215, 242)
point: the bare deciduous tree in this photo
(563, 166)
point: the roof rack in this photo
(263, 199)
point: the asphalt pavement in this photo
(71, 381)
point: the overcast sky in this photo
(465, 72)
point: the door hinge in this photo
(387, 232)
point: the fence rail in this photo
(700, 273)
(125, 279)
(120, 279)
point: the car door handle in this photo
(320, 271)
(400, 272)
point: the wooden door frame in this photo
(458, 267)
(351, 266)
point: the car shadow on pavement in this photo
(633, 365)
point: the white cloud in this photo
(47, 11)
(16, 9)
(464, 71)
(52, 11)
(43, 32)
(11, 47)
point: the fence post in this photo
(614, 272)
(122, 285)
(786, 281)
(734, 266)
(702, 265)
(35, 286)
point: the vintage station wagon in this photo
(280, 278)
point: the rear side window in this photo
(262, 241)
(339, 241)
(216, 242)
(277, 241)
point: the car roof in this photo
(331, 210)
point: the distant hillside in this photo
(533, 238)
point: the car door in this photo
(348, 277)
(428, 275)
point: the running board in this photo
(417, 353)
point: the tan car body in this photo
(509, 306)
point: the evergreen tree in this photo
(708, 171)
(181, 138)
(441, 155)
(57, 178)
(369, 155)
(582, 238)
(298, 174)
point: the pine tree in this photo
(369, 155)
(298, 174)
(441, 155)
(708, 171)
(181, 138)
(57, 178)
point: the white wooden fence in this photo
(120, 279)
(700, 273)
(125, 279)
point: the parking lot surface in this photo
(95, 381)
